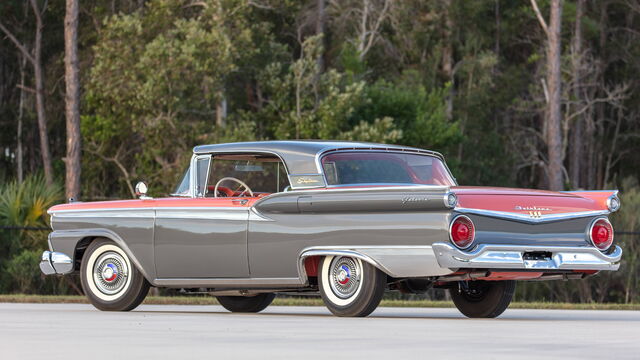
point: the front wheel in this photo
(246, 304)
(109, 279)
(483, 299)
(350, 286)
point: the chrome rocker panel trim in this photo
(511, 257)
(55, 263)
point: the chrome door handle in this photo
(240, 201)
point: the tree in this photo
(154, 90)
(36, 63)
(72, 101)
(553, 115)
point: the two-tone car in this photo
(346, 219)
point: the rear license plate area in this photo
(536, 255)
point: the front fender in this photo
(66, 242)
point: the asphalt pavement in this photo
(75, 331)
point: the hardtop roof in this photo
(300, 155)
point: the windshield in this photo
(346, 168)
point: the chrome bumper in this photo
(512, 257)
(55, 263)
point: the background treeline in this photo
(540, 94)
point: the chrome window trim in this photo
(244, 152)
(474, 232)
(527, 219)
(590, 228)
(194, 173)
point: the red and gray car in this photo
(348, 220)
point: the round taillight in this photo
(601, 234)
(462, 232)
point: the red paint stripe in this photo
(155, 203)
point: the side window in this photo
(183, 187)
(202, 172)
(264, 174)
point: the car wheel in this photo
(350, 286)
(246, 304)
(483, 299)
(109, 279)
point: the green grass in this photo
(311, 301)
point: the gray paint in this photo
(322, 218)
(199, 243)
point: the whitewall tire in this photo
(109, 279)
(350, 286)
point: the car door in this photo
(201, 237)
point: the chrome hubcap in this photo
(110, 273)
(345, 277)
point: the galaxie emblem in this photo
(413, 199)
(306, 180)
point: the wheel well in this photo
(81, 247)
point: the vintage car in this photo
(346, 219)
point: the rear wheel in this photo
(109, 279)
(246, 304)
(483, 299)
(350, 286)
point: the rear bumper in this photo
(512, 257)
(55, 263)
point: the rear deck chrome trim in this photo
(511, 257)
(527, 218)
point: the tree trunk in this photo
(553, 113)
(40, 109)
(576, 136)
(221, 110)
(447, 56)
(591, 131)
(19, 153)
(72, 101)
(320, 30)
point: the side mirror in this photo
(141, 190)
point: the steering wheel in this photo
(222, 190)
(246, 187)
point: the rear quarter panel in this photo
(288, 223)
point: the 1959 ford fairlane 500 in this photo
(345, 219)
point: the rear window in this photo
(351, 168)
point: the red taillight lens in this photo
(602, 234)
(462, 232)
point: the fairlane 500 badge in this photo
(534, 211)
(531, 208)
